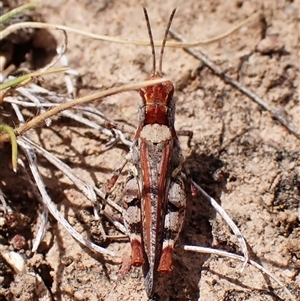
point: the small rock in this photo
(18, 242)
(270, 44)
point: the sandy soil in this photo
(240, 155)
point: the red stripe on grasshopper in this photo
(146, 197)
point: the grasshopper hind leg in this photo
(132, 219)
(173, 222)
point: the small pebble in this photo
(18, 242)
(270, 44)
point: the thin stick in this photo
(241, 258)
(79, 101)
(279, 114)
(229, 222)
(8, 30)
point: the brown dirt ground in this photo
(240, 155)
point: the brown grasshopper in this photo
(154, 197)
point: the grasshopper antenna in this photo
(165, 40)
(151, 40)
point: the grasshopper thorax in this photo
(158, 102)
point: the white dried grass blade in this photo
(42, 227)
(95, 112)
(63, 59)
(104, 236)
(111, 203)
(71, 115)
(80, 101)
(123, 139)
(119, 136)
(26, 104)
(86, 189)
(98, 116)
(52, 208)
(240, 258)
(41, 230)
(65, 63)
(2, 199)
(87, 122)
(90, 112)
(35, 100)
(34, 88)
(43, 217)
(117, 224)
(229, 222)
(18, 113)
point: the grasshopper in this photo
(154, 197)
